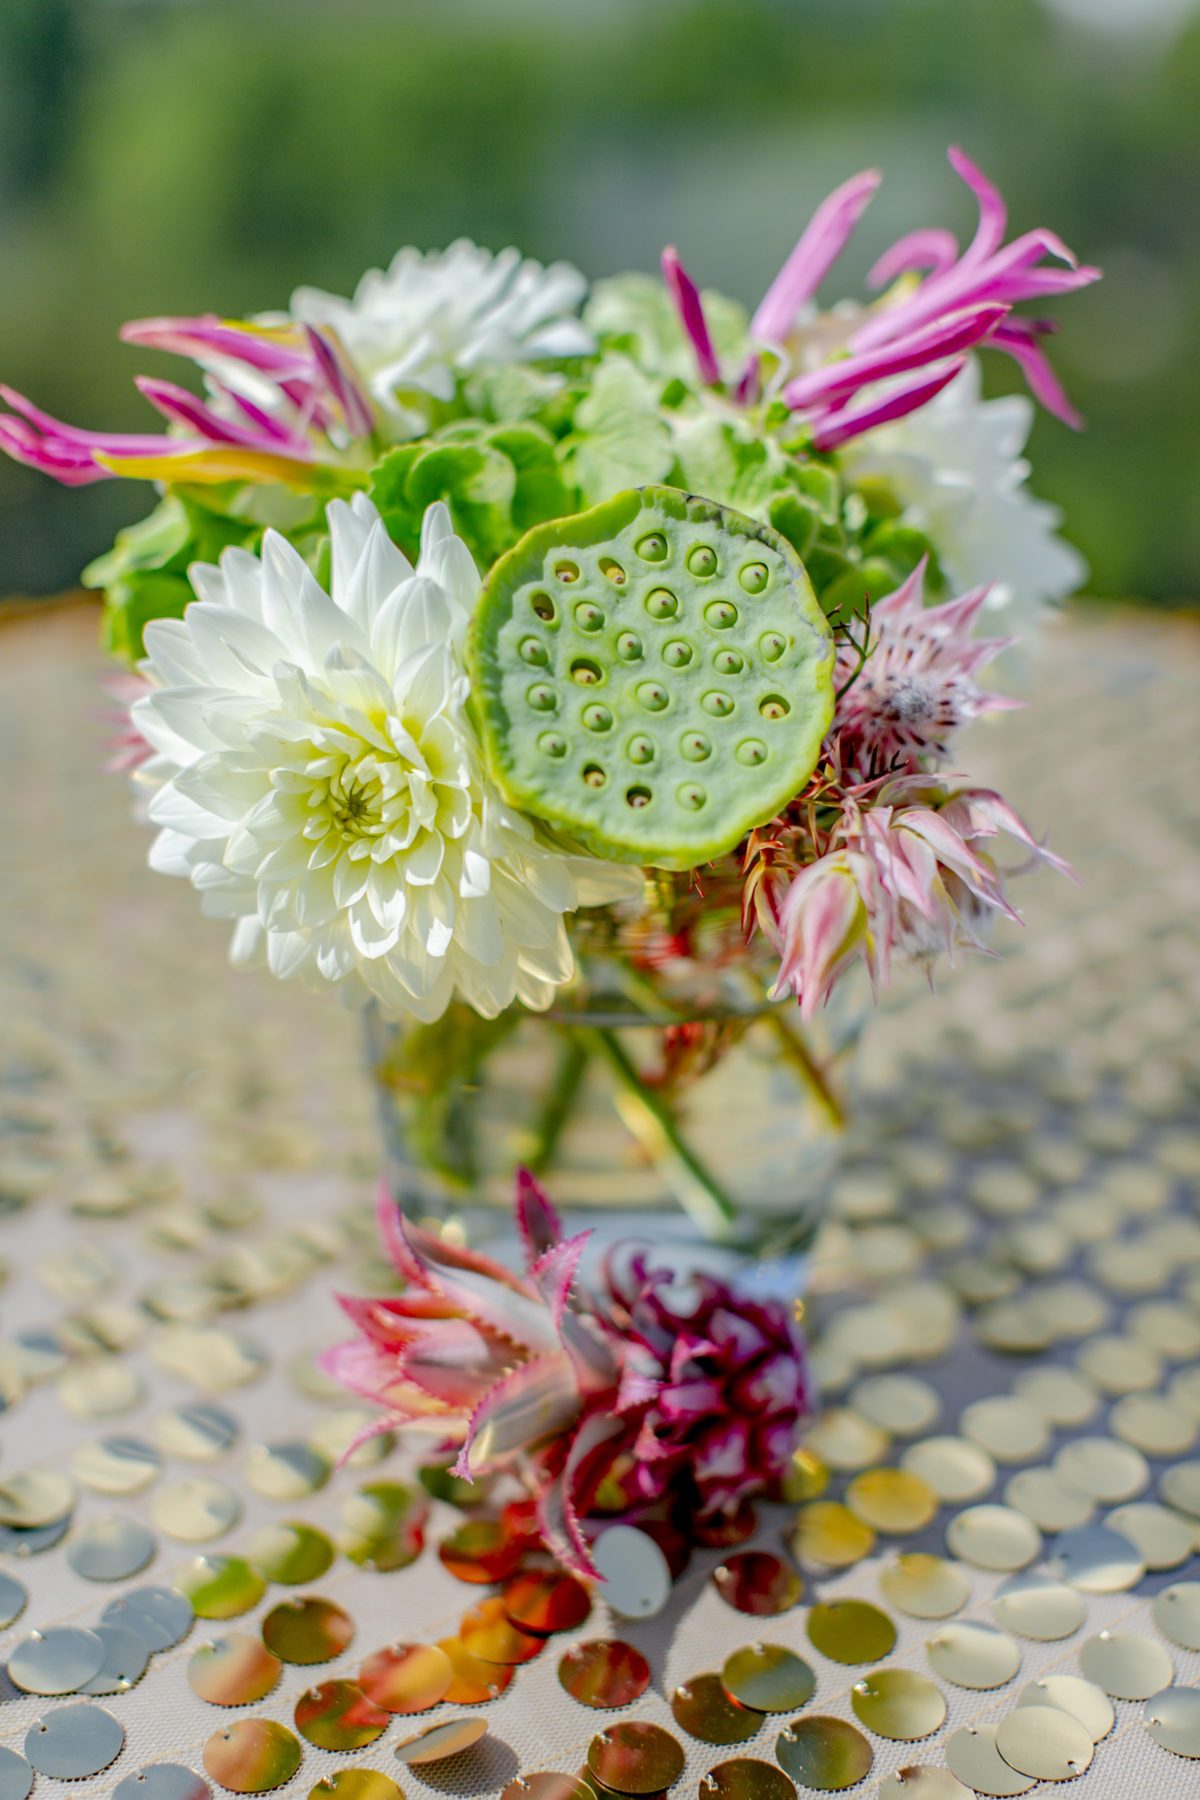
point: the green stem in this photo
(651, 1123)
(559, 1103)
(812, 1076)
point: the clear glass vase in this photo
(715, 1126)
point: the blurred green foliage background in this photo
(181, 157)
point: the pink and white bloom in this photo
(917, 685)
(849, 372)
(692, 1402)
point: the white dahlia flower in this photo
(429, 316)
(956, 467)
(318, 780)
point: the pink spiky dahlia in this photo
(678, 1404)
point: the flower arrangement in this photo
(630, 1401)
(497, 638)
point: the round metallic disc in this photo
(163, 1781)
(125, 1660)
(336, 1715)
(1097, 1560)
(252, 1756)
(116, 1465)
(1043, 1496)
(73, 1742)
(1177, 1613)
(725, 1531)
(308, 1630)
(286, 1471)
(806, 1478)
(845, 1440)
(220, 1587)
(757, 1582)
(549, 1784)
(32, 1541)
(197, 1433)
(1126, 1664)
(768, 1678)
(604, 1673)
(482, 1551)
(1160, 1536)
(160, 1616)
(1062, 1396)
(903, 1405)
(473, 1681)
(290, 1553)
(1180, 1487)
(100, 1390)
(356, 1784)
(234, 1670)
(197, 1509)
(13, 1599)
(921, 1781)
(829, 1536)
(35, 1497)
(437, 1742)
(850, 1631)
(1038, 1607)
(898, 1704)
(956, 1469)
(57, 1661)
(382, 1525)
(1071, 1694)
(16, 1774)
(1008, 1428)
(824, 1753)
(925, 1586)
(634, 1570)
(1044, 1742)
(630, 1757)
(1153, 1425)
(1173, 1720)
(745, 1778)
(705, 1711)
(488, 1632)
(993, 1537)
(1101, 1467)
(545, 1601)
(892, 1500)
(972, 1756)
(406, 1678)
(972, 1655)
(110, 1549)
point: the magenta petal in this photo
(820, 244)
(561, 1499)
(532, 1402)
(553, 1274)
(207, 335)
(688, 304)
(341, 381)
(1040, 375)
(929, 248)
(837, 381)
(838, 428)
(993, 214)
(537, 1221)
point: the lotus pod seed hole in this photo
(629, 647)
(721, 614)
(641, 750)
(652, 548)
(691, 797)
(702, 561)
(772, 646)
(542, 698)
(551, 744)
(534, 651)
(567, 571)
(661, 603)
(677, 653)
(597, 718)
(594, 775)
(543, 606)
(728, 662)
(638, 796)
(586, 672)
(695, 746)
(589, 617)
(613, 571)
(774, 707)
(754, 577)
(751, 751)
(717, 703)
(653, 697)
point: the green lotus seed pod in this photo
(679, 638)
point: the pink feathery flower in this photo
(917, 685)
(696, 1404)
(891, 359)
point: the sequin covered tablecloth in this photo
(1006, 1311)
